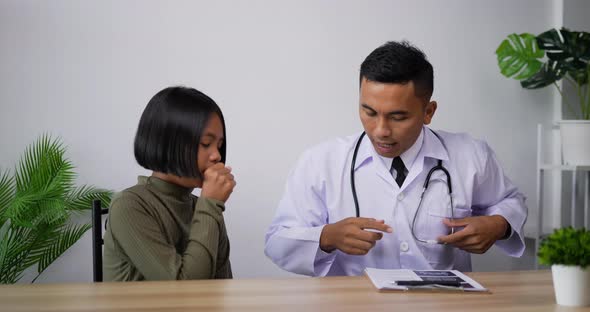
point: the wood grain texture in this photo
(510, 291)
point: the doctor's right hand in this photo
(350, 235)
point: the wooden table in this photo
(510, 291)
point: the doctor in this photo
(468, 206)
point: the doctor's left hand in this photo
(478, 235)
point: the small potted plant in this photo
(554, 55)
(567, 251)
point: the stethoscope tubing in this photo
(439, 166)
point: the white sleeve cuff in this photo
(298, 250)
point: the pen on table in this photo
(426, 283)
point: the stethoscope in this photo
(439, 166)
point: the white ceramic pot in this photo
(575, 142)
(571, 285)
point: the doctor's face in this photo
(393, 115)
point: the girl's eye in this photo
(205, 145)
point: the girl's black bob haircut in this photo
(170, 129)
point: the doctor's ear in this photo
(429, 111)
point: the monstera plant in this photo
(522, 57)
(554, 55)
(37, 202)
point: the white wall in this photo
(285, 73)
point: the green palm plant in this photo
(36, 204)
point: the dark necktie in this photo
(400, 169)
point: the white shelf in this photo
(537, 230)
(564, 167)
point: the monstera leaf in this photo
(550, 72)
(518, 56)
(570, 50)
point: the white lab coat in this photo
(318, 192)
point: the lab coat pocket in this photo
(439, 205)
(436, 218)
(441, 257)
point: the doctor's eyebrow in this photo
(390, 114)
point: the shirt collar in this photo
(365, 151)
(428, 144)
(409, 156)
(433, 146)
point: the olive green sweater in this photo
(157, 230)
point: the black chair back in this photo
(97, 241)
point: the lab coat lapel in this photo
(367, 156)
(367, 151)
(432, 148)
(383, 172)
(414, 171)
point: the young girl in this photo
(158, 230)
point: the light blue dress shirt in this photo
(318, 192)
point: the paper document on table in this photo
(422, 279)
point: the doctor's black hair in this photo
(399, 62)
(170, 129)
